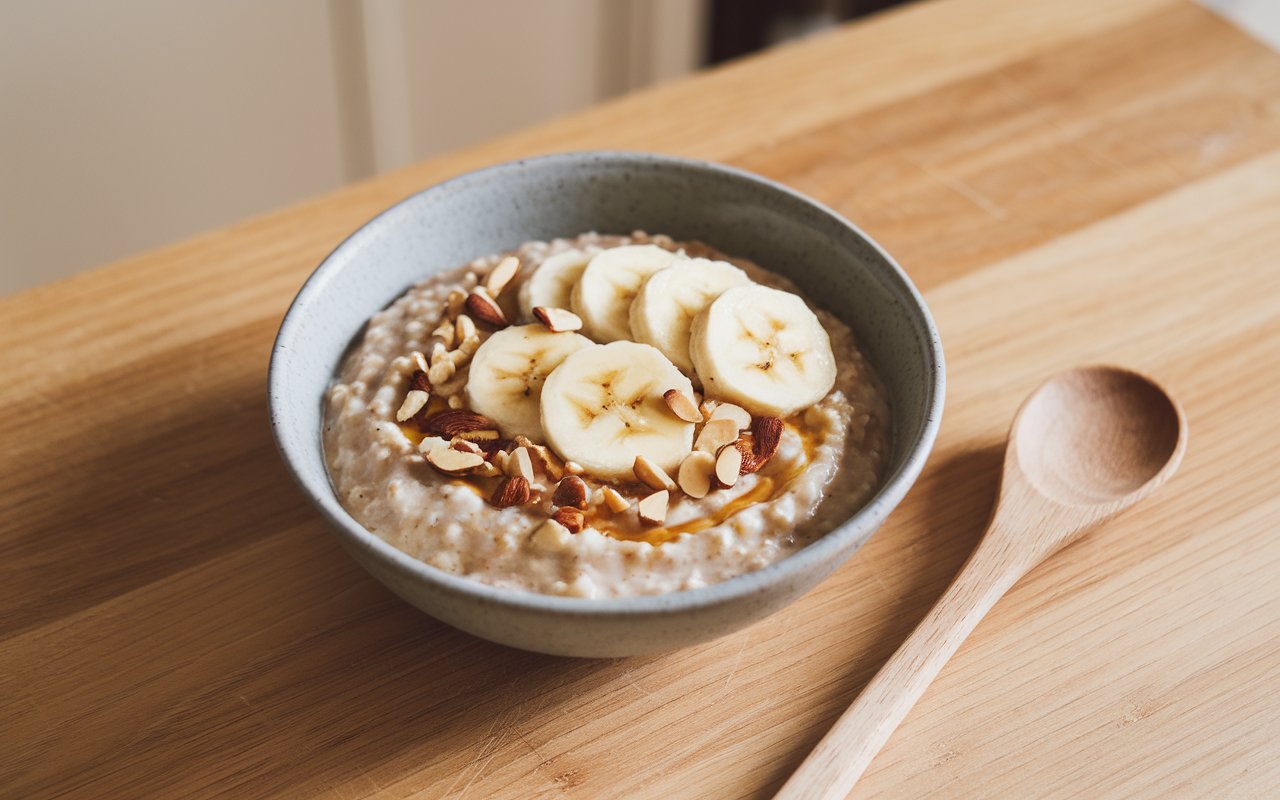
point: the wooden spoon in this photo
(1087, 444)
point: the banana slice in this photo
(603, 406)
(551, 284)
(663, 310)
(603, 294)
(763, 349)
(508, 371)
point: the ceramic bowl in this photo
(503, 206)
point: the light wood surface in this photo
(1087, 444)
(1068, 183)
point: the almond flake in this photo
(715, 435)
(500, 276)
(414, 402)
(653, 508)
(616, 502)
(695, 474)
(519, 463)
(464, 328)
(729, 411)
(728, 465)
(652, 475)
(682, 406)
(453, 462)
(557, 320)
(431, 443)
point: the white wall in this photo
(128, 124)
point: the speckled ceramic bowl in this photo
(563, 195)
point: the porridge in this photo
(604, 416)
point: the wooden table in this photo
(1067, 182)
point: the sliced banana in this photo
(603, 407)
(508, 371)
(763, 349)
(551, 284)
(663, 310)
(602, 296)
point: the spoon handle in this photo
(842, 756)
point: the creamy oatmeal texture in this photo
(828, 460)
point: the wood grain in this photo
(1070, 182)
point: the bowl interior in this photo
(561, 196)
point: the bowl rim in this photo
(808, 559)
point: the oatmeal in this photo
(604, 416)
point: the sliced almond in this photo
(557, 320)
(453, 462)
(431, 443)
(571, 518)
(458, 443)
(464, 328)
(500, 276)
(695, 474)
(445, 333)
(441, 372)
(715, 435)
(615, 501)
(455, 302)
(456, 402)
(414, 402)
(682, 406)
(654, 507)
(728, 465)
(512, 491)
(707, 407)
(483, 308)
(571, 491)
(482, 435)
(652, 475)
(729, 411)
(550, 536)
(573, 468)
(519, 463)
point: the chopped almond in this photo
(512, 491)
(519, 463)
(653, 509)
(501, 276)
(558, 320)
(571, 518)
(652, 475)
(414, 402)
(682, 406)
(615, 501)
(571, 491)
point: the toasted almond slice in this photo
(652, 475)
(550, 535)
(456, 402)
(682, 406)
(519, 463)
(431, 443)
(464, 327)
(445, 333)
(441, 372)
(557, 320)
(483, 308)
(458, 443)
(487, 470)
(654, 507)
(455, 302)
(738, 414)
(414, 402)
(715, 435)
(453, 462)
(708, 407)
(728, 465)
(500, 276)
(695, 474)
(616, 502)
(573, 468)
(572, 519)
(484, 435)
